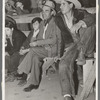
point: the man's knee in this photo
(62, 67)
(7, 62)
(35, 58)
(7, 58)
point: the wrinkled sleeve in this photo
(51, 40)
(16, 46)
(89, 19)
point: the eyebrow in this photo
(46, 10)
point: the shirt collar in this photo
(36, 31)
(47, 21)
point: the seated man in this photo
(14, 40)
(10, 7)
(20, 9)
(78, 33)
(47, 44)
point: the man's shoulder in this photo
(18, 33)
(59, 17)
(79, 12)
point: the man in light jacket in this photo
(47, 44)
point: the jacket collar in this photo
(47, 21)
(75, 17)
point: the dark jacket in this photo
(52, 39)
(28, 40)
(17, 40)
(21, 12)
(88, 18)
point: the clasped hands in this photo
(23, 51)
(75, 28)
(33, 44)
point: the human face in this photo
(8, 7)
(8, 31)
(19, 4)
(65, 7)
(46, 12)
(36, 25)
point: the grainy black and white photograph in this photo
(50, 49)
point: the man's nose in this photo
(60, 6)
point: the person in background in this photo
(34, 6)
(14, 41)
(78, 33)
(88, 3)
(10, 8)
(47, 44)
(20, 9)
(31, 37)
(35, 23)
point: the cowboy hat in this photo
(75, 2)
(49, 3)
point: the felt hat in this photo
(49, 3)
(76, 3)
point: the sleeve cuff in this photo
(83, 23)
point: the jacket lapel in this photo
(48, 31)
(13, 38)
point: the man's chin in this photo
(62, 12)
(45, 18)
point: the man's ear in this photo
(12, 29)
(53, 12)
(71, 5)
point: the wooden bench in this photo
(23, 22)
(26, 19)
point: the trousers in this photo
(32, 64)
(66, 64)
(12, 62)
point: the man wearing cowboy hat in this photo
(78, 33)
(46, 45)
(10, 7)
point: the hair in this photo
(72, 3)
(19, 1)
(44, 1)
(53, 10)
(53, 3)
(36, 19)
(10, 24)
(26, 4)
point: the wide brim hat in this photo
(10, 19)
(49, 4)
(75, 2)
(19, 1)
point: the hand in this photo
(76, 27)
(18, 4)
(33, 44)
(6, 54)
(22, 52)
(22, 48)
(56, 59)
(5, 43)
